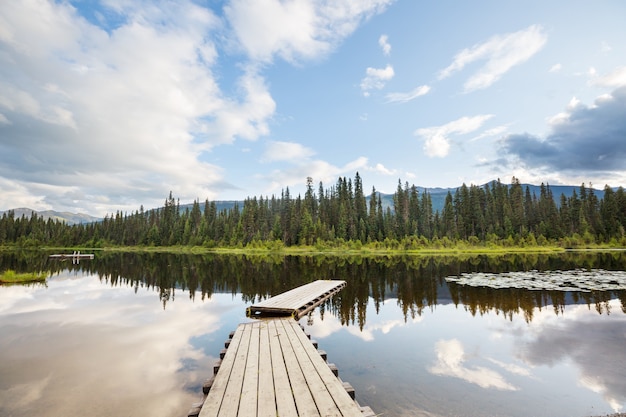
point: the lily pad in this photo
(584, 280)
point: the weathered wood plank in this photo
(285, 405)
(214, 399)
(333, 385)
(267, 397)
(232, 394)
(301, 394)
(299, 300)
(323, 399)
(301, 295)
(249, 391)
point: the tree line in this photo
(495, 213)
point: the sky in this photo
(108, 105)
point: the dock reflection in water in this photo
(110, 336)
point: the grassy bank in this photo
(339, 250)
(11, 277)
(311, 250)
(411, 248)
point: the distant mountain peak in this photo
(67, 217)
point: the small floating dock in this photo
(73, 255)
(271, 368)
(297, 302)
(76, 256)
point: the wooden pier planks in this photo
(271, 368)
(299, 301)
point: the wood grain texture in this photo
(272, 369)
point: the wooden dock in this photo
(72, 255)
(298, 301)
(271, 368)
(75, 256)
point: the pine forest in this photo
(344, 215)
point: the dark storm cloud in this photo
(585, 139)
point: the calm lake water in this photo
(127, 334)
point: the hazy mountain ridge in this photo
(438, 195)
(63, 216)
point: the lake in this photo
(137, 334)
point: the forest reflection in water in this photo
(407, 339)
(416, 282)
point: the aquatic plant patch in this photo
(585, 280)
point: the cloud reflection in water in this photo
(81, 347)
(451, 361)
(596, 347)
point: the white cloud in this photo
(563, 117)
(615, 78)
(500, 53)
(15, 100)
(286, 151)
(381, 169)
(246, 119)
(352, 166)
(268, 27)
(296, 29)
(495, 131)
(73, 86)
(138, 95)
(437, 146)
(404, 97)
(384, 44)
(375, 78)
(451, 362)
(437, 137)
(299, 170)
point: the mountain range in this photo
(67, 217)
(438, 196)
